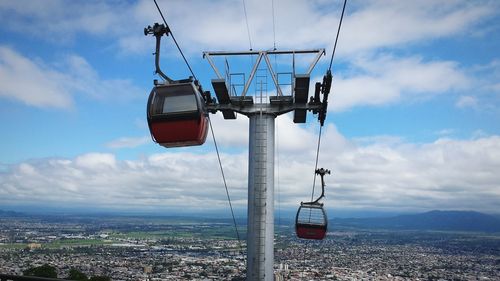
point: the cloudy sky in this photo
(413, 123)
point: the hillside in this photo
(433, 220)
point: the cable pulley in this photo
(324, 89)
(157, 30)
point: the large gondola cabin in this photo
(177, 115)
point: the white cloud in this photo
(483, 91)
(392, 23)
(466, 101)
(370, 26)
(128, 142)
(381, 139)
(230, 133)
(386, 79)
(170, 179)
(59, 20)
(82, 78)
(23, 80)
(41, 85)
(446, 132)
(234, 133)
(393, 175)
(96, 161)
(202, 25)
(442, 174)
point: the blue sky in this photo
(413, 120)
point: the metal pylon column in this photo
(260, 238)
(262, 114)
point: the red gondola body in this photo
(180, 133)
(177, 115)
(310, 231)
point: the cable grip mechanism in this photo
(158, 30)
(324, 89)
(321, 172)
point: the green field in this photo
(58, 244)
(219, 232)
(15, 246)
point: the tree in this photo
(75, 274)
(45, 270)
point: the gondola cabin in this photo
(177, 115)
(311, 221)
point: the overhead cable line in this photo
(211, 129)
(328, 74)
(317, 158)
(175, 41)
(274, 27)
(248, 27)
(337, 37)
(225, 185)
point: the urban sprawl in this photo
(158, 250)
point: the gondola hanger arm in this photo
(321, 172)
(158, 30)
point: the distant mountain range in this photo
(433, 220)
(11, 214)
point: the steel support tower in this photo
(262, 115)
(260, 197)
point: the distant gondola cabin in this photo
(311, 221)
(177, 115)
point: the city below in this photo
(190, 248)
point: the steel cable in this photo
(225, 186)
(175, 41)
(337, 37)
